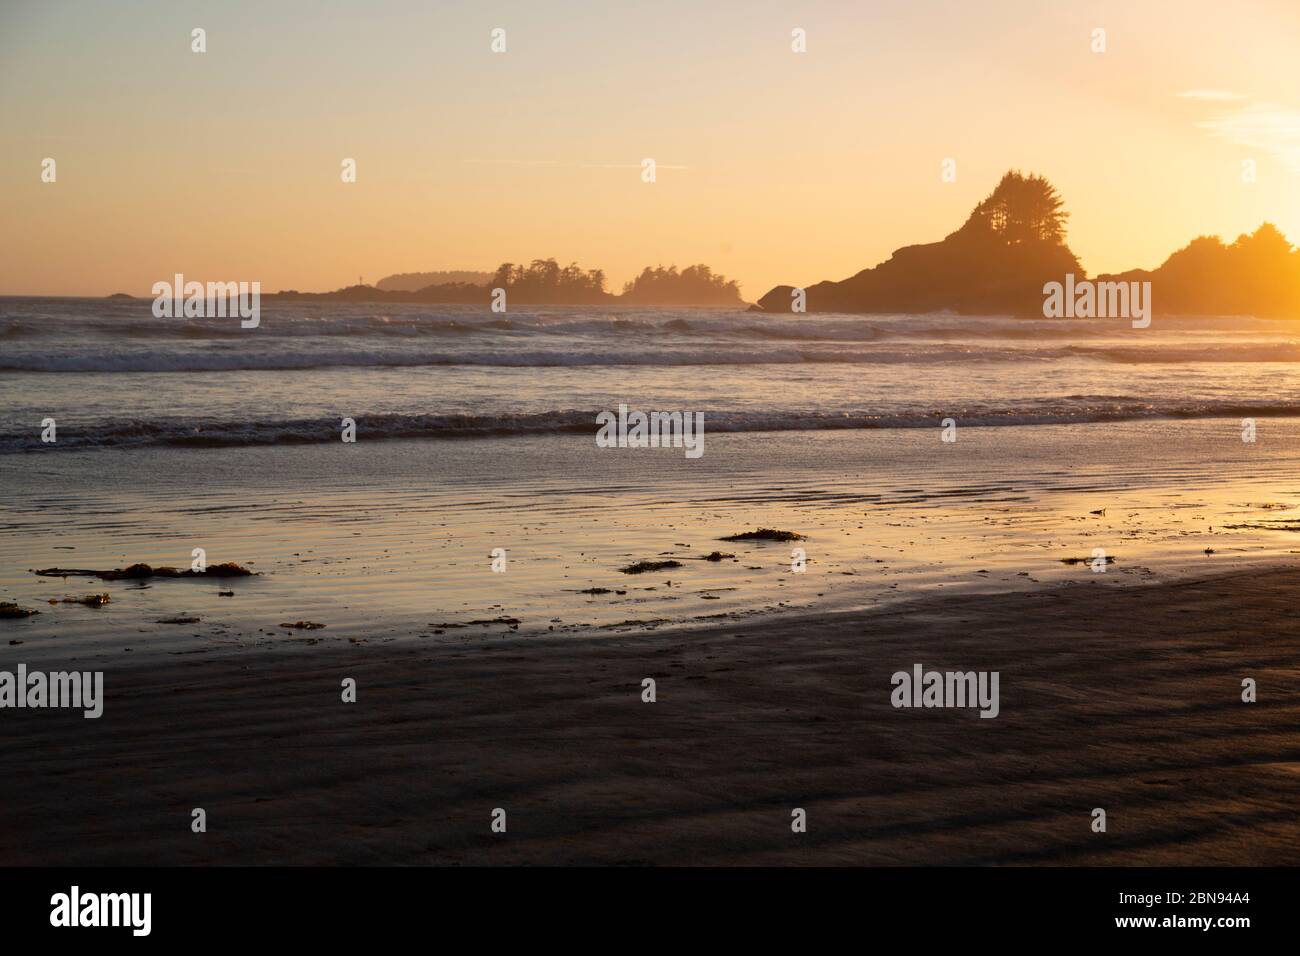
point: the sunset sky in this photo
(791, 168)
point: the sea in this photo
(919, 457)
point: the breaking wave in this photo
(218, 433)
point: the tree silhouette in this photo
(1022, 209)
(694, 285)
(544, 280)
(1257, 274)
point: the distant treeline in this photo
(694, 285)
(1258, 274)
(414, 281)
(546, 282)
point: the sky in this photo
(772, 166)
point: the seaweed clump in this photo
(764, 534)
(90, 600)
(135, 572)
(641, 567)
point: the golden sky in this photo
(774, 166)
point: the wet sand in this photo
(382, 539)
(1126, 698)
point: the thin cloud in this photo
(571, 165)
(1216, 96)
(1263, 126)
(626, 166)
(517, 162)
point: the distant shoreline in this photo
(616, 302)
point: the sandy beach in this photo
(1126, 698)
(520, 687)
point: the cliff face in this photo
(1010, 246)
(966, 272)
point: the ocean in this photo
(112, 374)
(475, 432)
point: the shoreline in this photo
(390, 541)
(1140, 715)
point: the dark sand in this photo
(1126, 698)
